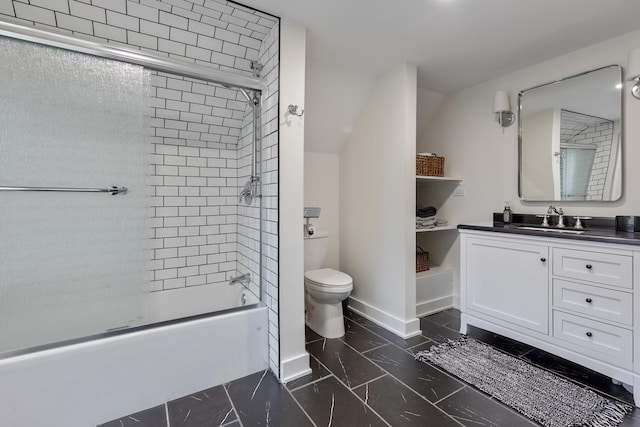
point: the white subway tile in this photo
(209, 268)
(175, 180)
(196, 162)
(170, 46)
(196, 260)
(123, 21)
(187, 13)
(167, 273)
(166, 253)
(193, 221)
(196, 181)
(196, 240)
(174, 242)
(73, 23)
(157, 4)
(188, 271)
(174, 201)
(6, 7)
(209, 43)
(168, 114)
(196, 280)
(154, 29)
(117, 5)
(175, 262)
(198, 53)
(174, 283)
(167, 170)
(223, 59)
(189, 211)
(143, 40)
(182, 36)
(109, 32)
(188, 251)
(178, 105)
(141, 11)
(83, 10)
(173, 20)
(57, 5)
(33, 13)
(166, 211)
(196, 201)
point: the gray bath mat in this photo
(536, 393)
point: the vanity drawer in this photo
(607, 304)
(600, 267)
(598, 340)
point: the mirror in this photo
(570, 138)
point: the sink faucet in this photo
(558, 211)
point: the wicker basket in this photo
(429, 165)
(422, 260)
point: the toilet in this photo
(325, 288)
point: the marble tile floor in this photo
(369, 377)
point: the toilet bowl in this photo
(325, 289)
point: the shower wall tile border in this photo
(196, 171)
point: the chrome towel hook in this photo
(293, 110)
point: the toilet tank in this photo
(315, 250)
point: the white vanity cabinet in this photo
(573, 298)
(519, 294)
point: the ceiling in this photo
(454, 43)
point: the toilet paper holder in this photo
(308, 213)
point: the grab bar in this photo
(113, 189)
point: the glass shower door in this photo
(72, 264)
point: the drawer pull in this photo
(588, 266)
(589, 300)
(543, 259)
(589, 334)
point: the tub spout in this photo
(244, 279)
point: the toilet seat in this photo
(328, 279)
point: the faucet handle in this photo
(545, 219)
(578, 219)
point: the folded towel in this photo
(425, 211)
(429, 222)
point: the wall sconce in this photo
(633, 71)
(504, 116)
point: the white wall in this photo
(377, 203)
(464, 131)
(321, 188)
(335, 96)
(294, 360)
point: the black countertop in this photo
(598, 229)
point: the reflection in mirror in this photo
(570, 138)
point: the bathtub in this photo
(95, 381)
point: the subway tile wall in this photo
(201, 155)
(580, 129)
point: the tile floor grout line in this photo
(349, 389)
(233, 405)
(300, 406)
(414, 391)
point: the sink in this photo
(552, 230)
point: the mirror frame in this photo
(520, 146)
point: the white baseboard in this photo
(425, 308)
(402, 328)
(294, 368)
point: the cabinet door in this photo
(509, 281)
